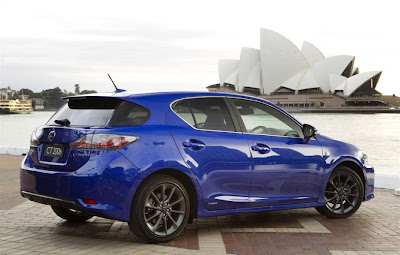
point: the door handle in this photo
(194, 144)
(261, 148)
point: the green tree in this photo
(77, 90)
(52, 98)
(88, 92)
(27, 92)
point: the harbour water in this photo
(377, 134)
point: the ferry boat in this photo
(15, 106)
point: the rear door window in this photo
(205, 113)
(182, 109)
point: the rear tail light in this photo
(104, 141)
(89, 201)
(36, 134)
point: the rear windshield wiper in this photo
(64, 122)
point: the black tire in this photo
(343, 194)
(158, 218)
(71, 215)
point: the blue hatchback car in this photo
(159, 160)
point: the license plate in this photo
(53, 150)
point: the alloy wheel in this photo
(343, 193)
(164, 209)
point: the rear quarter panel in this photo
(155, 150)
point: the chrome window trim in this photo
(236, 132)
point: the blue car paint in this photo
(222, 167)
(290, 173)
(112, 177)
(337, 152)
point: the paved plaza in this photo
(31, 228)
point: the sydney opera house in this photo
(298, 78)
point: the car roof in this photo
(170, 96)
(167, 94)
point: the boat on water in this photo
(15, 106)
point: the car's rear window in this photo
(101, 111)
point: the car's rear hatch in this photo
(80, 117)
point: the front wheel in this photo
(160, 209)
(343, 195)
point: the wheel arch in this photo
(354, 166)
(349, 162)
(186, 182)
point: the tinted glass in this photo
(262, 119)
(81, 114)
(98, 111)
(211, 114)
(129, 114)
(182, 109)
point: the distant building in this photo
(37, 104)
(23, 97)
(7, 94)
(279, 67)
(293, 77)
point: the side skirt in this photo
(205, 213)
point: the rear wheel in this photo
(70, 214)
(343, 195)
(160, 209)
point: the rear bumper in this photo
(49, 200)
(106, 178)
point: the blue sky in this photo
(176, 45)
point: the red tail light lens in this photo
(89, 201)
(84, 142)
(104, 141)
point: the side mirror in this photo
(309, 131)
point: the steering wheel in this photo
(291, 133)
(264, 130)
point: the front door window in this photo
(262, 119)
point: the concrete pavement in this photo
(31, 228)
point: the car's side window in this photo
(259, 118)
(182, 109)
(129, 114)
(205, 113)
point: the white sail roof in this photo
(337, 82)
(279, 63)
(308, 81)
(294, 81)
(355, 81)
(249, 69)
(227, 69)
(280, 60)
(311, 53)
(331, 65)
